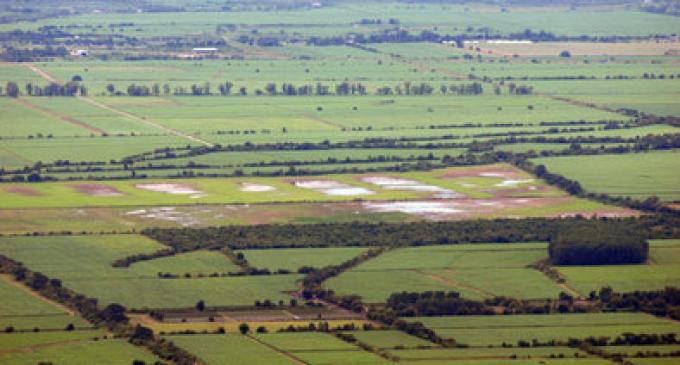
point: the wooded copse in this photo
(598, 245)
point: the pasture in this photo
(661, 270)
(639, 175)
(229, 349)
(295, 258)
(477, 271)
(23, 310)
(496, 330)
(83, 263)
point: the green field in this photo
(390, 339)
(23, 311)
(476, 271)
(83, 263)
(229, 349)
(495, 330)
(637, 175)
(83, 352)
(662, 269)
(293, 259)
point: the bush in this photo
(598, 245)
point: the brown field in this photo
(97, 189)
(650, 48)
(22, 190)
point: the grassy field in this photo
(22, 310)
(637, 175)
(81, 352)
(495, 330)
(229, 349)
(662, 269)
(293, 259)
(390, 339)
(84, 264)
(476, 271)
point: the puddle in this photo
(333, 188)
(256, 188)
(172, 188)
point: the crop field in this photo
(639, 175)
(463, 268)
(496, 330)
(84, 263)
(81, 352)
(327, 182)
(23, 311)
(229, 349)
(661, 270)
(293, 259)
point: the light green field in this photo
(307, 341)
(30, 339)
(476, 271)
(23, 311)
(196, 262)
(637, 175)
(84, 352)
(331, 357)
(662, 270)
(83, 263)
(485, 353)
(229, 349)
(29, 151)
(295, 258)
(494, 330)
(390, 339)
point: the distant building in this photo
(210, 50)
(80, 52)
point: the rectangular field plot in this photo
(26, 340)
(661, 270)
(83, 263)
(320, 348)
(482, 353)
(229, 350)
(34, 121)
(23, 309)
(496, 330)
(86, 148)
(306, 341)
(80, 352)
(390, 339)
(331, 357)
(295, 258)
(475, 270)
(638, 175)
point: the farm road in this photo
(123, 113)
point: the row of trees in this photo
(318, 89)
(71, 88)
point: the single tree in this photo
(12, 89)
(244, 328)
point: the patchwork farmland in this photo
(339, 182)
